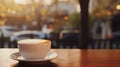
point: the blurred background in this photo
(59, 21)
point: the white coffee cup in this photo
(32, 49)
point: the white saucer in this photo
(17, 56)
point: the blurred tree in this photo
(99, 10)
(74, 20)
(37, 14)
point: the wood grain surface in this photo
(68, 58)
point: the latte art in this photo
(33, 41)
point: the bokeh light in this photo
(118, 7)
(20, 1)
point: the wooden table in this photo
(69, 58)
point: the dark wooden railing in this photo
(93, 44)
(59, 43)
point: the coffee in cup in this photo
(32, 49)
